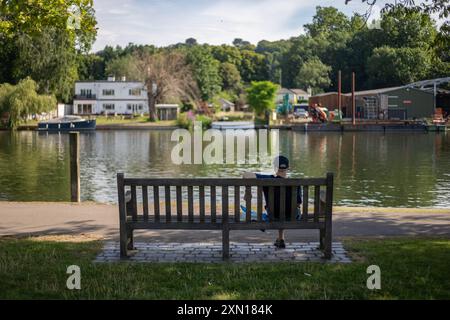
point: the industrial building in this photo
(414, 101)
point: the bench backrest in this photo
(206, 200)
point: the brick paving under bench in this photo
(212, 252)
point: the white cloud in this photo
(164, 22)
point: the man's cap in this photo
(281, 162)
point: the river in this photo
(371, 169)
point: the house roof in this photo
(374, 91)
(295, 91)
(226, 101)
(284, 91)
(299, 91)
(324, 94)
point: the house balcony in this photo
(85, 97)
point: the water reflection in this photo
(401, 169)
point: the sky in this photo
(164, 22)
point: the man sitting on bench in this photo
(281, 166)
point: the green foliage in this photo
(50, 59)
(183, 121)
(22, 100)
(40, 39)
(261, 96)
(206, 71)
(123, 66)
(253, 66)
(397, 66)
(231, 78)
(205, 120)
(186, 120)
(313, 73)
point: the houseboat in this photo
(67, 123)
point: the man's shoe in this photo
(280, 244)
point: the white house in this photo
(110, 97)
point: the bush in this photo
(186, 120)
(205, 120)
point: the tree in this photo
(397, 66)
(327, 21)
(123, 67)
(41, 39)
(313, 73)
(90, 67)
(239, 43)
(261, 97)
(165, 74)
(405, 27)
(231, 79)
(22, 100)
(206, 71)
(253, 66)
(50, 59)
(191, 42)
(74, 17)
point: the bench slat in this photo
(271, 203)
(226, 182)
(248, 204)
(190, 203)
(237, 202)
(282, 203)
(294, 203)
(224, 202)
(168, 204)
(213, 203)
(259, 205)
(145, 201)
(179, 204)
(305, 201)
(202, 203)
(133, 203)
(316, 203)
(156, 201)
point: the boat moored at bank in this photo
(67, 123)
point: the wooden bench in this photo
(197, 213)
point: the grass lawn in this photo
(35, 268)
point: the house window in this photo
(108, 92)
(135, 92)
(108, 106)
(86, 92)
(135, 107)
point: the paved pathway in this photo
(212, 253)
(23, 219)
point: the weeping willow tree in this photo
(21, 100)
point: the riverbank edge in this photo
(330, 127)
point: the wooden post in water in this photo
(353, 100)
(74, 146)
(340, 95)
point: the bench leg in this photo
(322, 239)
(130, 241)
(123, 242)
(225, 243)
